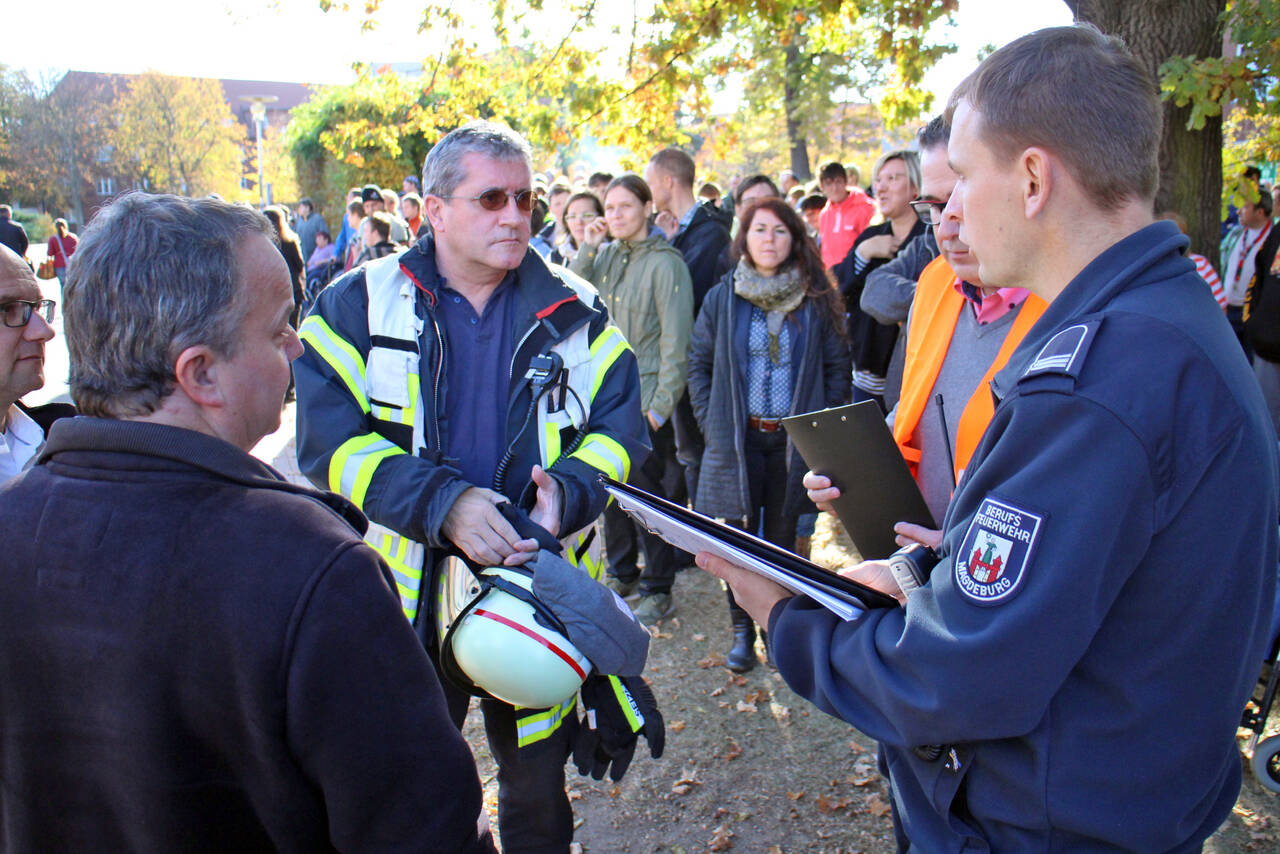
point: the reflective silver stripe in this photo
(537, 727)
(604, 453)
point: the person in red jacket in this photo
(847, 213)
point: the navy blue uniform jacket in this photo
(197, 655)
(1097, 622)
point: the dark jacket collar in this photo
(47, 414)
(178, 449)
(554, 303)
(1153, 253)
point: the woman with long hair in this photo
(768, 343)
(645, 284)
(581, 210)
(62, 245)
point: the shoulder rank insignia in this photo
(996, 549)
(1064, 353)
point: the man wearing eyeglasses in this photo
(26, 317)
(465, 373)
(961, 331)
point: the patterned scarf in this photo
(777, 296)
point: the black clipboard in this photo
(780, 559)
(852, 445)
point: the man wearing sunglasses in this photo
(26, 317)
(458, 376)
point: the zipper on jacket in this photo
(435, 392)
(740, 428)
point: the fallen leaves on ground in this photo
(685, 784)
(877, 806)
(733, 752)
(721, 839)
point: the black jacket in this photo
(13, 235)
(703, 243)
(717, 390)
(199, 655)
(871, 342)
(1262, 302)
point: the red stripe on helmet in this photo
(511, 624)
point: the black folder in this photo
(652, 511)
(852, 445)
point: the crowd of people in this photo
(285, 668)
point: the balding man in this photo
(26, 316)
(196, 652)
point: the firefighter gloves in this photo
(618, 710)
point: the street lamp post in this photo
(258, 110)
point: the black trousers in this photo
(624, 539)
(766, 455)
(534, 816)
(1235, 316)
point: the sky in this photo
(293, 40)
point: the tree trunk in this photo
(793, 71)
(1190, 160)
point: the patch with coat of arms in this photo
(995, 552)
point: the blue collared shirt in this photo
(477, 376)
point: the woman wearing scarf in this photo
(768, 343)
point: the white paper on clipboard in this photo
(690, 539)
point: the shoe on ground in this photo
(625, 589)
(654, 607)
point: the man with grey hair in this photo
(220, 657)
(444, 386)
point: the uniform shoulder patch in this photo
(1064, 353)
(996, 551)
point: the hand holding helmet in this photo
(618, 710)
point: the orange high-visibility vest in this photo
(934, 312)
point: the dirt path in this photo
(751, 767)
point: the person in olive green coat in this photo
(645, 284)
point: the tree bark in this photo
(1190, 160)
(793, 72)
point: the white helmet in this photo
(497, 640)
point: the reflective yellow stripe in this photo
(552, 441)
(535, 728)
(352, 466)
(337, 354)
(613, 344)
(395, 551)
(401, 416)
(624, 702)
(604, 453)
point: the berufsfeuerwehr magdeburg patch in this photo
(993, 557)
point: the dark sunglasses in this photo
(17, 313)
(930, 213)
(496, 199)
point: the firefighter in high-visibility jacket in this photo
(440, 381)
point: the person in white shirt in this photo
(24, 329)
(1239, 250)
